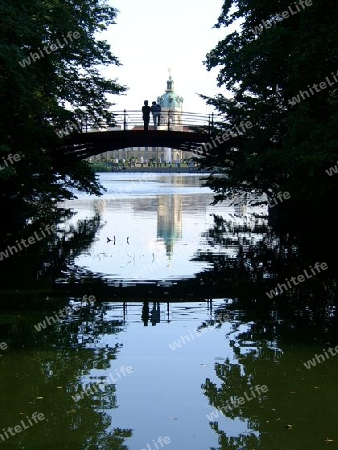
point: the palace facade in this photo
(171, 111)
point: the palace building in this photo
(171, 118)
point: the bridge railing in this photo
(170, 120)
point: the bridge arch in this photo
(193, 132)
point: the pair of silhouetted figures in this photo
(154, 316)
(155, 109)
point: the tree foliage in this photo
(262, 72)
(50, 93)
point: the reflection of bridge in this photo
(178, 130)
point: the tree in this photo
(50, 58)
(280, 68)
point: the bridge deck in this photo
(178, 130)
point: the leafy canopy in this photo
(50, 93)
(262, 71)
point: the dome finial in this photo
(170, 82)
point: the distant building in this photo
(171, 105)
(171, 111)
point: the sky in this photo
(151, 36)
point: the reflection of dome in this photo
(169, 221)
(99, 205)
(170, 100)
(241, 210)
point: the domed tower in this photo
(171, 106)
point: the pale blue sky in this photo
(152, 35)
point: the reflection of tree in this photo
(257, 268)
(236, 379)
(68, 350)
(293, 396)
(259, 252)
(262, 333)
(68, 354)
(42, 261)
(76, 240)
(234, 443)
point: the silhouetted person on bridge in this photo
(146, 114)
(156, 112)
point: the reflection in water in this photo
(269, 342)
(240, 210)
(145, 313)
(155, 314)
(85, 352)
(45, 370)
(99, 205)
(164, 218)
(294, 399)
(49, 258)
(169, 221)
(236, 340)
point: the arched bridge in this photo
(179, 130)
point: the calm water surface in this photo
(120, 375)
(159, 223)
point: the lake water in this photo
(156, 224)
(227, 372)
